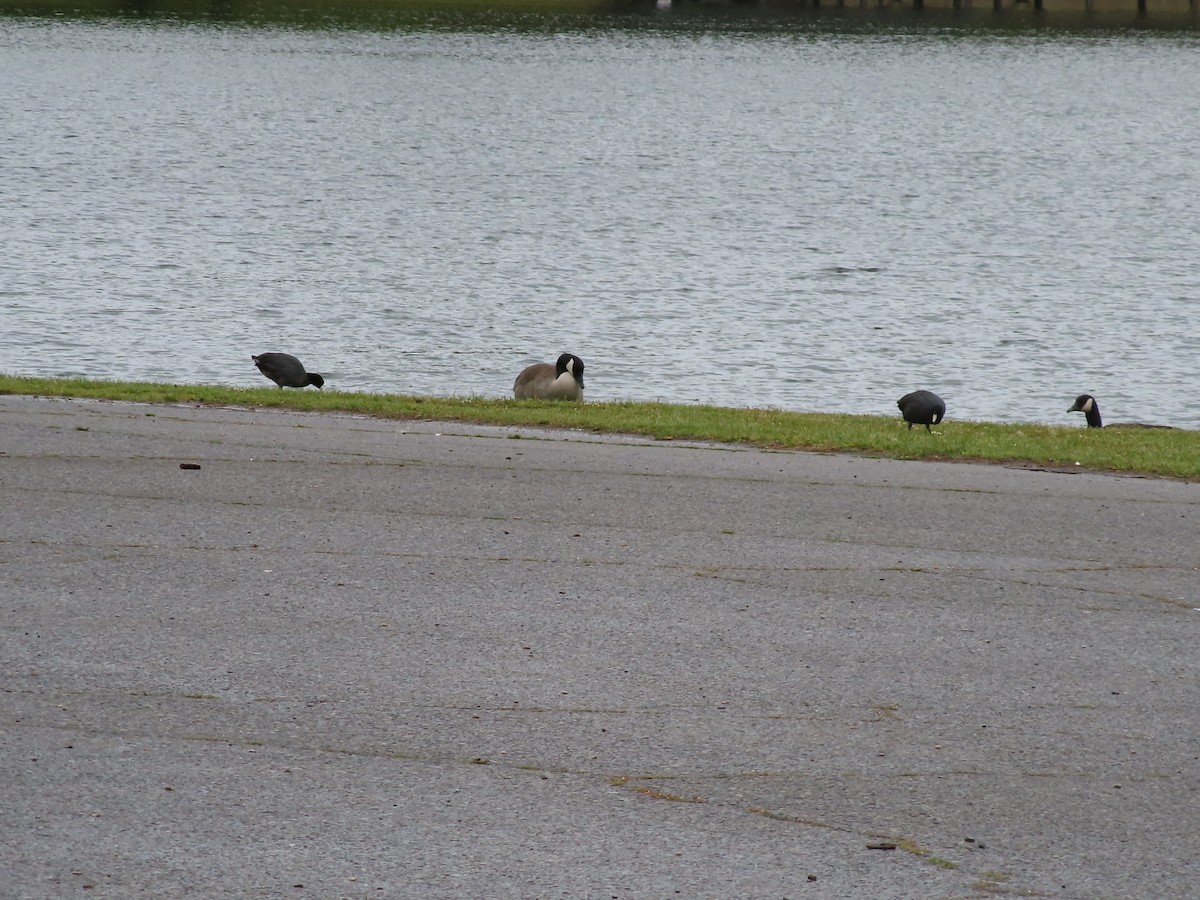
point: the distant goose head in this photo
(922, 408)
(542, 381)
(1086, 404)
(286, 371)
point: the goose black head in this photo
(1086, 404)
(569, 362)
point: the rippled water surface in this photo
(802, 220)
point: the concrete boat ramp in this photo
(268, 654)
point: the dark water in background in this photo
(803, 217)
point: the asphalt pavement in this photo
(253, 653)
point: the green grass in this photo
(1173, 453)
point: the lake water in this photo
(795, 217)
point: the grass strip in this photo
(1171, 453)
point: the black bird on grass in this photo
(1086, 404)
(286, 371)
(922, 408)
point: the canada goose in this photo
(922, 408)
(542, 381)
(286, 371)
(1086, 404)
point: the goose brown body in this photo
(543, 381)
